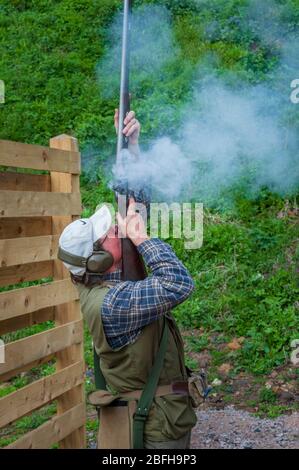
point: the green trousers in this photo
(182, 443)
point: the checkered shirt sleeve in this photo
(129, 306)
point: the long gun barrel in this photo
(124, 103)
(133, 268)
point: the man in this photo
(127, 320)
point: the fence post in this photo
(65, 313)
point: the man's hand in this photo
(133, 225)
(132, 127)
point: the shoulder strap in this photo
(146, 399)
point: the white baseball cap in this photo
(79, 236)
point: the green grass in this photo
(30, 330)
(26, 424)
(273, 411)
(91, 425)
(267, 395)
(15, 384)
(36, 419)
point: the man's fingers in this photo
(130, 125)
(131, 211)
(129, 116)
(132, 130)
(131, 208)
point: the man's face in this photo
(112, 244)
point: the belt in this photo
(105, 398)
(118, 403)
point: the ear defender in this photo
(99, 262)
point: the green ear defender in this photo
(98, 262)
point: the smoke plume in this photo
(233, 132)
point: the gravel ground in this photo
(230, 428)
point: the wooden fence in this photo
(34, 209)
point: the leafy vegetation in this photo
(246, 273)
(246, 281)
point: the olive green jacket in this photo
(127, 368)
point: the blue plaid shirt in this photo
(129, 306)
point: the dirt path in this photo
(230, 428)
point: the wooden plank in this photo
(26, 350)
(52, 431)
(64, 313)
(10, 181)
(68, 344)
(34, 204)
(12, 227)
(39, 393)
(28, 250)
(30, 319)
(34, 364)
(36, 157)
(25, 273)
(20, 301)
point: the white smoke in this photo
(152, 45)
(164, 168)
(240, 134)
(232, 132)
